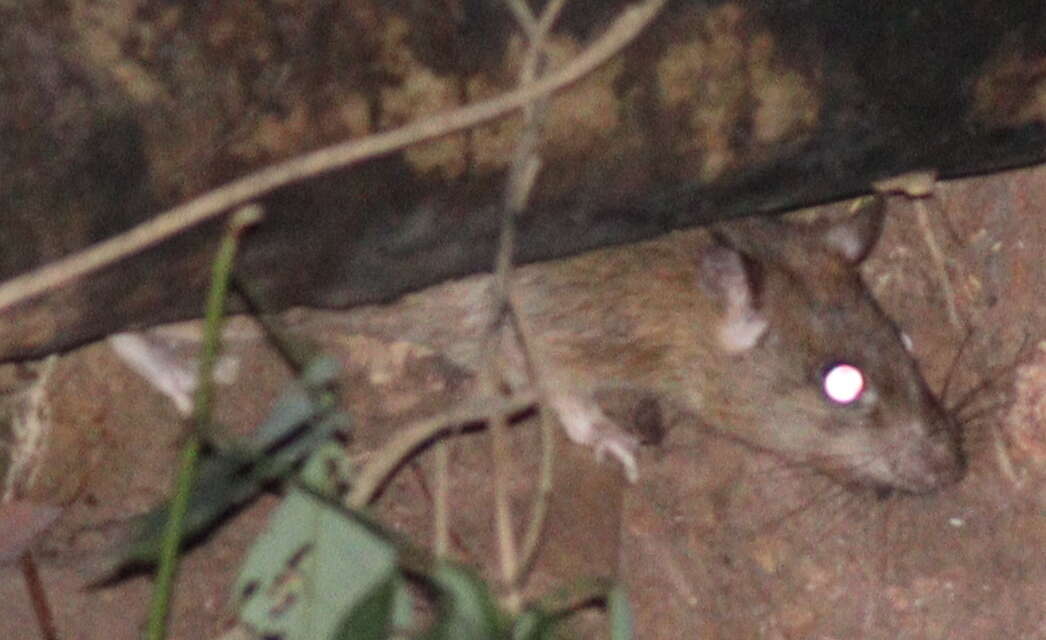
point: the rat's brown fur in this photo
(651, 317)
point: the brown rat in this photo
(746, 326)
(749, 327)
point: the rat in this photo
(761, 328)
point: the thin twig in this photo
(38, 597)
(502, 509)
(1002, 454)
(946, 386)
(524, 17)
(535, 29)
(539, 508)
(939, 263)
(548, 16)
(407, 441)
(527, 166)
(441, 510)
(523, 172)
(628, 25)
(918, 186)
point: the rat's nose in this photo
(933, 463)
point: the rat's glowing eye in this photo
(843, 383)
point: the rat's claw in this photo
(621, 446)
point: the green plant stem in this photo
(172, 538)
(172, 535)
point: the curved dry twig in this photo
(393, 453)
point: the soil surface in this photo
(714, 541)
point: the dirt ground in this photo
(715, 541)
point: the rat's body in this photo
(740, 328)
(737, 326)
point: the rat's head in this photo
(818, 373)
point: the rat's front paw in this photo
(586, 424)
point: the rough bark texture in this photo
(111, 111)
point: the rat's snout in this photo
(932, 461)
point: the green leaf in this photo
(466, 607)
(373, 616)
(302, 401)
(301, 420)
(313, 566)
(222, 485)
(534, 625)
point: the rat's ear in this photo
(731, 282)
(854, 237)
